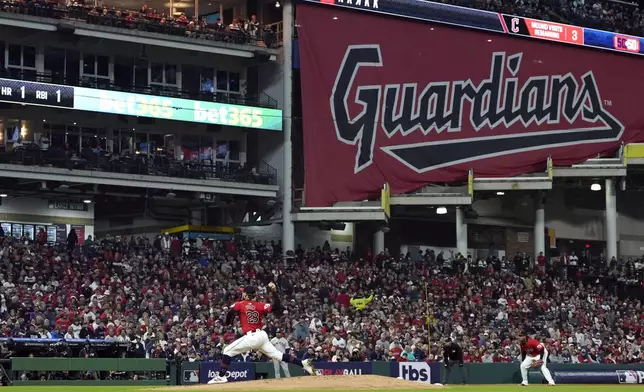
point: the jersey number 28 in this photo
(252, 317)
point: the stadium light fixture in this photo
(441, 210)
(595, 187)
(3, 195)
(500, 193)
(87, 201)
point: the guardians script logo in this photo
(497, 103)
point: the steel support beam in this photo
(512, 184)
(431, 199)
(136, 181)
(27, 24)
(611, 220)
(288, 228)
(635, 161)
(378, 242)
(586, 171)
(144, 40)
(339, 214)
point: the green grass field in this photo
(451, 388)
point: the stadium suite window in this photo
(96, 70)
(55, 64)
(163, 75)
(227, 151)
(228, 81)
(207, 77)
(21, 61)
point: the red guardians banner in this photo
(387, 100)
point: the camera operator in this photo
(62, 350)
(356, 356)
(135, 349)
(7, 349)
(87, 351)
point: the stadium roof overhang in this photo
(81, 29)
(137, 181)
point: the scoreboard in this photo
(141, 105)
(543, 30)
(495, 22)
(18, 91)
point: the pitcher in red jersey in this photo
(251, 315)
(534, 353)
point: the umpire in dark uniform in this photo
(452, 354)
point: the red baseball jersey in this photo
(532, 347)
(251, 314)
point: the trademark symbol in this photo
(608, 102)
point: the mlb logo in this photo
(628, 377)
(191, 376)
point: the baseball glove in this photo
(537, 363)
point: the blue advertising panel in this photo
(238, 371)
(428, 373)
(343, 368)
(599, 376)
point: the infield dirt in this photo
(331, 383)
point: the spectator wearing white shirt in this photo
(573, 259)
(316, 325)
(76, 328)
(123, 338)
(339, 342)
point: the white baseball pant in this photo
(527, 364)
(254, 340)
(284, 365)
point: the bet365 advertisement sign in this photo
(131, 104)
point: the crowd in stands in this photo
(617, 16)
(611, 15)
(148, 19)
(169, 298)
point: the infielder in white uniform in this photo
(281, 344)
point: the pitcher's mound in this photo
(332, 383)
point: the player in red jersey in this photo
(534, 354)
(251, 315)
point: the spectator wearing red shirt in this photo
(343, 299)
(541, 262)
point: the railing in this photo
(135, 21)
(279, 33)
(264, 169)
(260, 100)
(141, 164)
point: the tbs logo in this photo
(415, 371)
(626, 44)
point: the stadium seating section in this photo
(168, 298)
